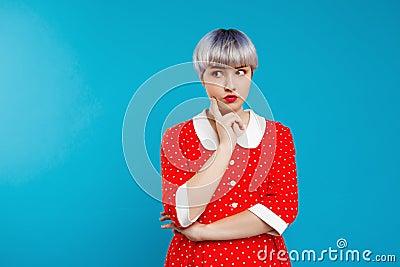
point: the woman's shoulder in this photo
(280, 126)
(184, 127)
(279, 131)
(284, 137)
(273, 124)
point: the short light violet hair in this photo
(229, 47)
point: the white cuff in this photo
(270, 218)
(182, 207)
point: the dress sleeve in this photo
(182, 207)
(175, 172)
(277, 195)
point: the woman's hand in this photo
(194, 232)
(241, 225)
(229, 126)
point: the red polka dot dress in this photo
(261, 177)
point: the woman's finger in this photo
(237, 130)
(168, 226)
(165, 217)
(233, 117)
(215, 110)
(241, 125)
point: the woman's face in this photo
(230, 86)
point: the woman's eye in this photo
(241, 72)
(217, 74)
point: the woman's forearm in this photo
(241, 225)
(203, 184)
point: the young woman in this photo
(229, 175)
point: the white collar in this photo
(251, 137)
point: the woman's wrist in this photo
(202, 234)
(212, 232)
(205, 234)
(226, 147)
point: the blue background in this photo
(68, 69)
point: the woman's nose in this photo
(229, 84)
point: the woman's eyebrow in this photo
(241, 67)
(217, 67)
(223, 67)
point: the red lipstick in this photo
(230, 98)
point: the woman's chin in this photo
(230, 109)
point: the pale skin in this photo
(229, 121)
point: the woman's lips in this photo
(230, 98)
